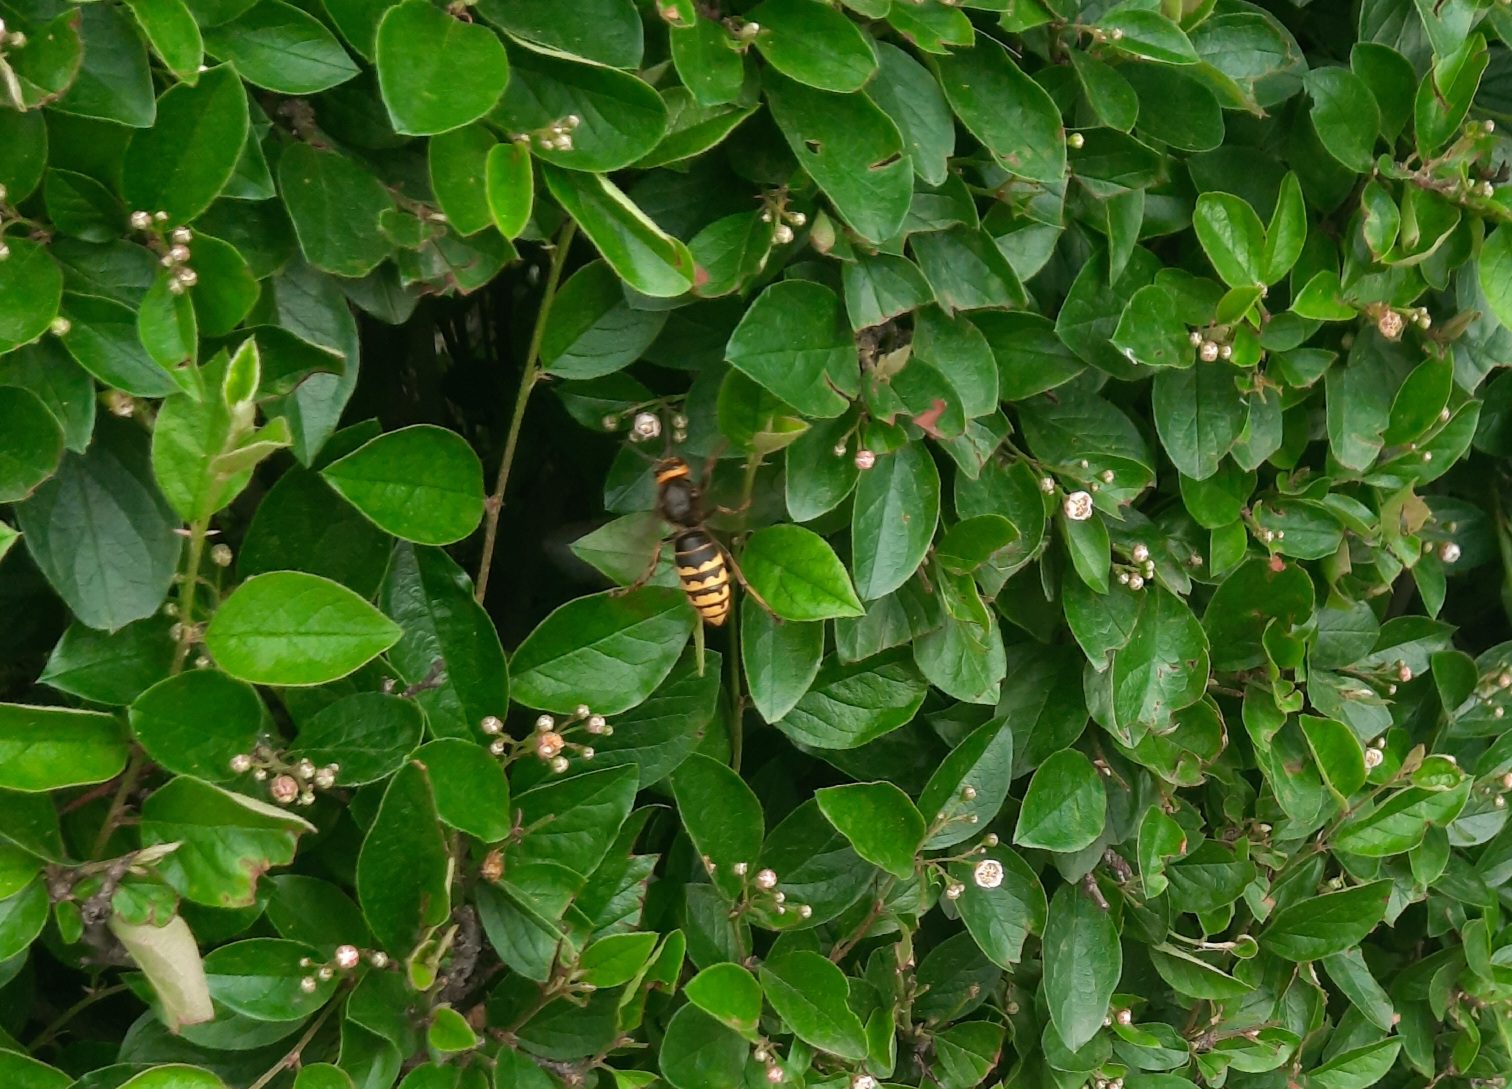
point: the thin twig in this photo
(529, 376)
(61, 1021)
(291, 1057)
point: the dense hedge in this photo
(1105, 401)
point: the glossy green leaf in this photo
(1065, 806)
(1322, 926)
(403, 871)
(437, 72)
(811, 996)
(279, 47)
(290, 628)
(880, 822)
(897, 507)
(181, 164)
(1083, 962)
(421, 483)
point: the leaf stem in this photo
(135, 765)
(291, 1057)
(61, 1021)
(530, 375)
(197, 533)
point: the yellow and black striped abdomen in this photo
(705, 575)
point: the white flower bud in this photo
(1047, 485)
(1373, 758)
(1449, 552)
(739, 869)
(805, 911)
(1194, 338)
(378, 959)
(60, 326)
(1226, 351)
(141, 220)
(953, 890)
(545, 723)
(865, 459)
(766, 879)
(1124, 1017)
(1136, 582)
(326, 973)
(1208, 351)
(863, 1081)
(347, 957)
(497, 746)
(308, 984)
(783, 234)
(610, 423)
(492, 725)
(324, 779)
(647, 425)
(1390, 325)
(284, 789)
(220, 555)
(548, 744)
(178, 254)
(1140, 552)
(1076, 141)
(1106, 476)
(1078, 506)
(186, 276)
(241, 763)
(596, 724)
(968, 792)
(1404, 672)
(988, 873)
(559, 765)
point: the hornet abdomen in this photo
(705, 575)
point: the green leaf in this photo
(880, 822)
(173, 35)
(226, 841)
(603, 31)
(1000, 916)
(457, 162)
(174, 1076)
(510, 187)
(101, 532)
(624, 117)
(852, 150)
(259, 978)
(47, 748)
(910, 95)
(1083, 961)
(792, 342)
(1494, 269)
(194, 723)
(1287, 234)
(449, 1032)
(436, 71)
(1199, 414)
(641, 253)
(592, 330)
(971, 782)
(798, 574)
(104, 341)
(1064, 808)
(432, 599)
(814, 44)
(301, 524)
(781, 659)
(335, 206)
(698, 1052)
(850, 705)
(403, 871)
(657, 736)
(722, 818)
(370, 734)
(25, 1072)
(1338, 753)
(729, 994)
(111, 668)
(893, 521)
(1163, 667)
(811, 995)
(1345, 116)
(1322, 926)
(1357, 1068)
(1443, 98)
(290, 628)
(472, 793)
(181, 164)
(1147, 35)
(1004, 108)
(1350, 974)
(31, 290)
(607, 652)
(420, 483)
(278, 47)
(616, 959)
(573, 822)
(1231, 236)
(33, 443)
(1401, 822)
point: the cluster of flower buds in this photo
(1142, 568)
(550, 742)
(1493, 690)
(1375, 754)
(647, 426)
(556, 136)
(777, 212)
(986, 873)
(288, 784)
(346, 959)
(172, 248)
(1209, 350)
(766, 1054)
(762, 886)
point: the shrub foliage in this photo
(1104, 401)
